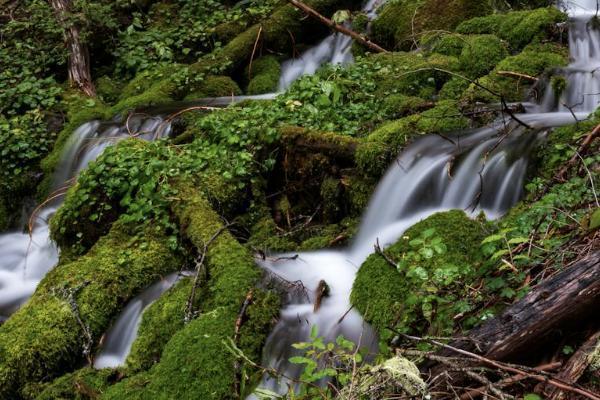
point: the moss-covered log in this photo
(46, 338)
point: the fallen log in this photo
(337, 27)
(561, 302)
(575, 367)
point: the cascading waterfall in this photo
(119, 339)
(480, 171)
(25, 259)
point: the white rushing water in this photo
(120, 337)
(25, 259)
(487, 176)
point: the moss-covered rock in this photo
(518, 28)
(532, 61)
(215, 86)
(414, 74)
(83, 384)
(45, 339)
(264, 76)
(195, 362)
(405, 296)
(400, 23)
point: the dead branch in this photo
(575, 367)
(506, 367)
(201, 274)
(590, 137)
(238, 326)
(337, 27)
(519, 75)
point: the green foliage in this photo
(264, 76)
(325, 361)
(24, 141)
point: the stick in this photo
(506, 367)
(519, 75)
(337, 27)
(582, 150)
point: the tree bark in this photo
(79, 59)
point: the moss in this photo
(83, 384)
(480, 55)
(265, 236)
(331, 193)
(161, 320)
(415, 73)
(333, 235)
(195, 363)
(518, 28)
(400, 23)
(559, 84)
(374, 155)
(400, 105)
(358, 191)
(448, 44)
(44, 340)
(226, 31)
(215, 86)
(264, 76)
(108, 89)
(392, 304)
(533, 61)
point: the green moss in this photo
(559, 84)
(399, 105)
(374, 155)
(480, 55)
(264, 76)
(533, 61)
(161, 320)
(400, 23)
(414, 74)
(195, 363)
(265, 236)
(518, 28)
(44, 340)
(108, 89)
(387, 298)
(83, 384)
(448, 44)
(333, 235)
(215, 86)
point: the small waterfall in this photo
(121, 335)
(480, 171)
(334, 49)
(25, 259)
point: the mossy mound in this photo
(215, 86)
(480, 54)
(400, 23)
(44, 339)
(83, 384)
(518, 28)
(532, 61)
(406, 296)
(375, 154)
(412, 74)
(264, 75)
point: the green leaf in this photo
(492, 238)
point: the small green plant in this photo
(333, 362)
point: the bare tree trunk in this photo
(79, 59)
